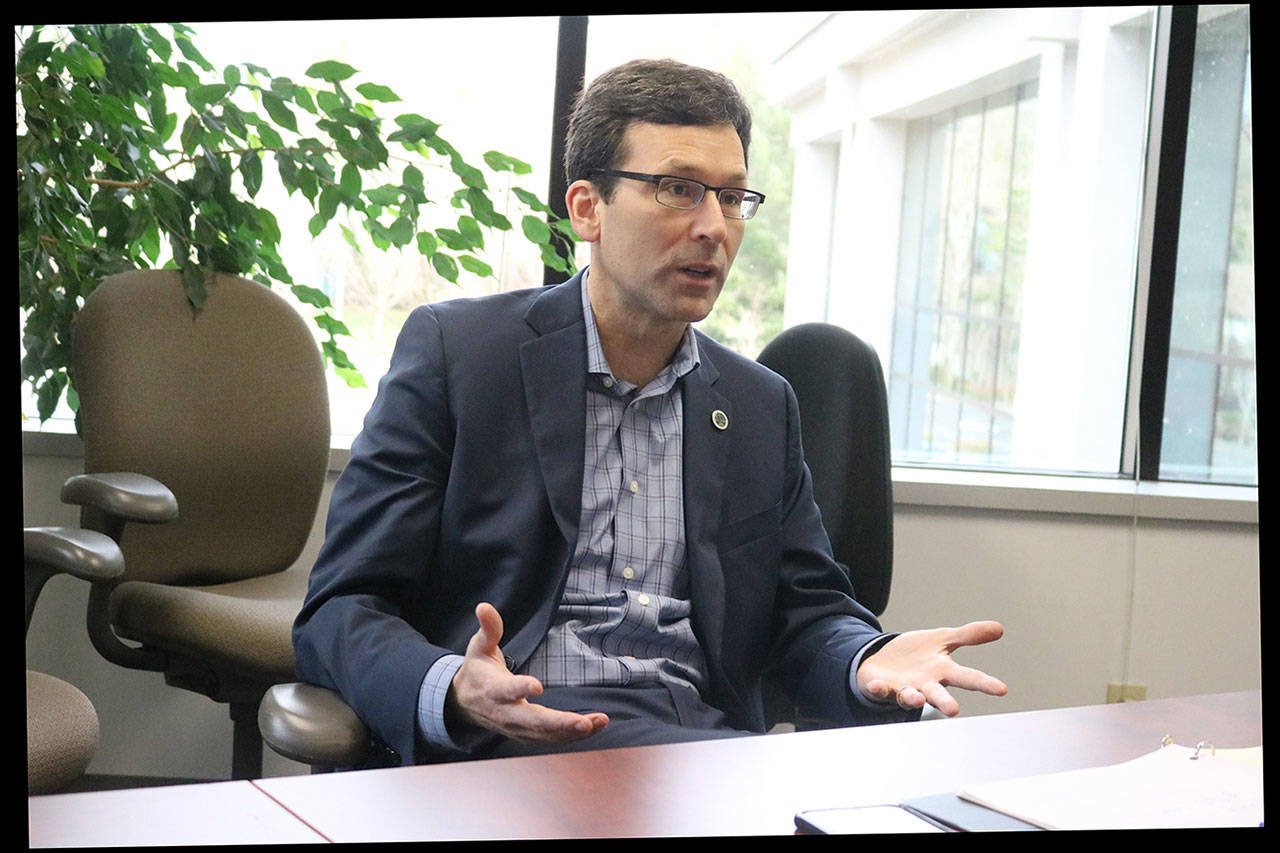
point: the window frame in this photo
(1174, 47)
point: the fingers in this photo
(974, 634)
(975, 679)
(537, 724)
(484, 693)
(486, 639)
(915, 668)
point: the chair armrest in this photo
(312, 725)
(108, 502)
(123, 496)
(86, 554)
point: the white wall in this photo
(1060, 582)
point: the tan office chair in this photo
(211, 433)
(62, 725)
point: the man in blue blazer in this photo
(571, 521)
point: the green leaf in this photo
(331, 325)
(331, 71)
(310, 295)
(189, 51)
(202, 96)
(401, 231)
(349, 236)
(168, 126)
(302, 97)
(413, 128)
(470, 175)
(330, 103)
(231, 76)
(453, 239)
(282, 87)
(269, 137)
(150, 242)
(279, 111)
(335, 354)
(193, 282)
(48, 394)
(445, 266)
(191, 133)
(500, 162)
(374, 92)
(351, 376)
(427, 243)
(350, 182)
(535, 229)
(82, 63)
(288, 171)
(531, 200)
(475, 265)
(470, 230)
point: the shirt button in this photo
(607, 381)
(628, 573)
(634, 486)
(643, 599)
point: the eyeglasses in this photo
(686, 193)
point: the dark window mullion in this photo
(1176, 25)
(571, 68)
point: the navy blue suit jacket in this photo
(465, 486)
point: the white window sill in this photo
(946, 488)
(1075, 495)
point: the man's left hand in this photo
(915, 667)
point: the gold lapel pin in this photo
(719, 419)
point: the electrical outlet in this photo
(1120, 692)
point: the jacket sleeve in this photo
(359, 631)
(821, 628)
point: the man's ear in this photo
(583, 202)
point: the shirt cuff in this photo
(431, 698)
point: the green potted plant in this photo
(135, 152)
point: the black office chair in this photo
(62, 724)
(844, 418)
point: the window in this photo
(1211, 406)
(968, 190)
(969, 195)
(962, 259)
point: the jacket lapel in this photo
(553, 367)
(706, 448)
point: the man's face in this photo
(661, 264)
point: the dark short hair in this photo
(656, 91)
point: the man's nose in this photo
(709, 221)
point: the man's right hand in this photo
(484, 693)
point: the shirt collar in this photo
(685, 359)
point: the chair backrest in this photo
(844, 415)
(228, 407)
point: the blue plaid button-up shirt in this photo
(624, 616)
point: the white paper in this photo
(1166, 788)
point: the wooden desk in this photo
(744, 786)
(748, 786)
